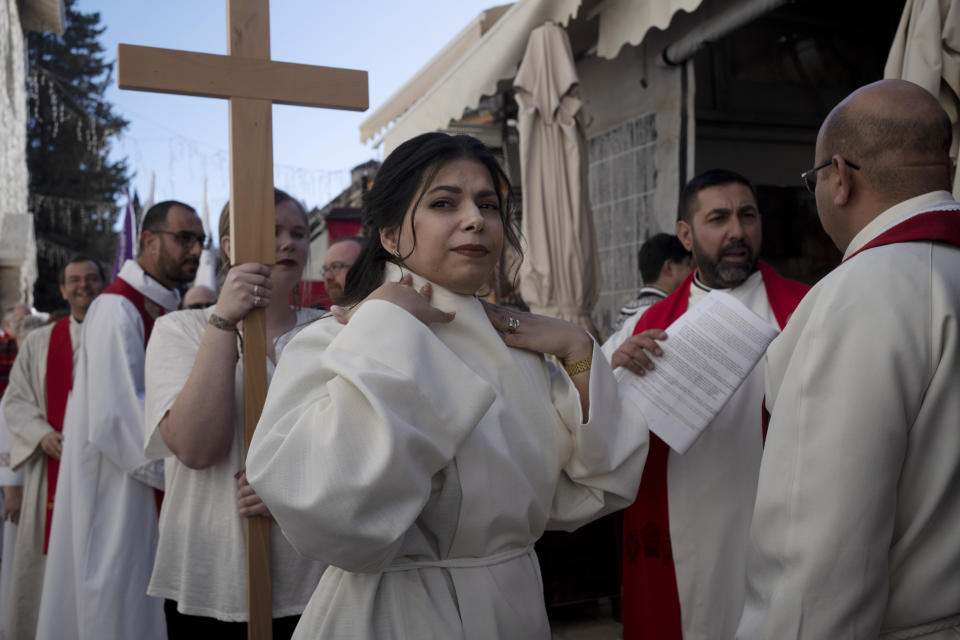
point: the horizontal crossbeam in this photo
(216, 76)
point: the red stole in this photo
(59, 381)
(942, 225)
(933, 226)
(651, 602)
(149, 311)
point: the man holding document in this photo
(856, 523)
(685, 537)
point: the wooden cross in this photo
(252, 83)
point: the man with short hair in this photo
(104, 532)
(40, 382)
(341, 254)
(855, 529)
(685, 537)
(664, 264)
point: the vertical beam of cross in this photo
(252, 83)
(252, 240)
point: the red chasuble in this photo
(59, 382)
(651, 602)
(149, 311)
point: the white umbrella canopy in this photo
(926, 51)
(560, 274)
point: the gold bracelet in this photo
(222, 323)
(578, 367)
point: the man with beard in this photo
(40, 382)
(104, 533)
(685, 537)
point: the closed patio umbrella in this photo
(926, 51)
(560, 274)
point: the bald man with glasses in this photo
(854, 533)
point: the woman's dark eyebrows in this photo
(458, 190)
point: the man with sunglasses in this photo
(104, 533)
(685, 536)
(856, 524)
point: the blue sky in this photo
(184, 139)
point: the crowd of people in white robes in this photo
(418, 439)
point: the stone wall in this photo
(623, 181)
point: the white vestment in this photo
(104, 532)
(201, 561)
(422, 463)
(8, 478)
(25, 410)
(857, 523)
(710, 494)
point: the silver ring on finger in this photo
(256, 301)
(256, 291)
(512, 324)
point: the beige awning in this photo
(419, 107)
(627, 21)
(428, 76)
(925, 51)
(493, 58)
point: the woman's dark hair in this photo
(400, 184)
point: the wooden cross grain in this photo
(252, 83)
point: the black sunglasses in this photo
(185, 238)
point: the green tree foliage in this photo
(74, 188)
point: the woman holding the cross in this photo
(419, 442)
(194, 408)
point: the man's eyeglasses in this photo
(185, 238)
(333, 268)
(809, 178)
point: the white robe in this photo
(104, 531)
(25, 410)
(8, 478)
(201, 561)
(422, 463)
(857, 523)
(710, 494)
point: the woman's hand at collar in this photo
(551, 336)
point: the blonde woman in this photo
(194, 399)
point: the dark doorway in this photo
(761, 94)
